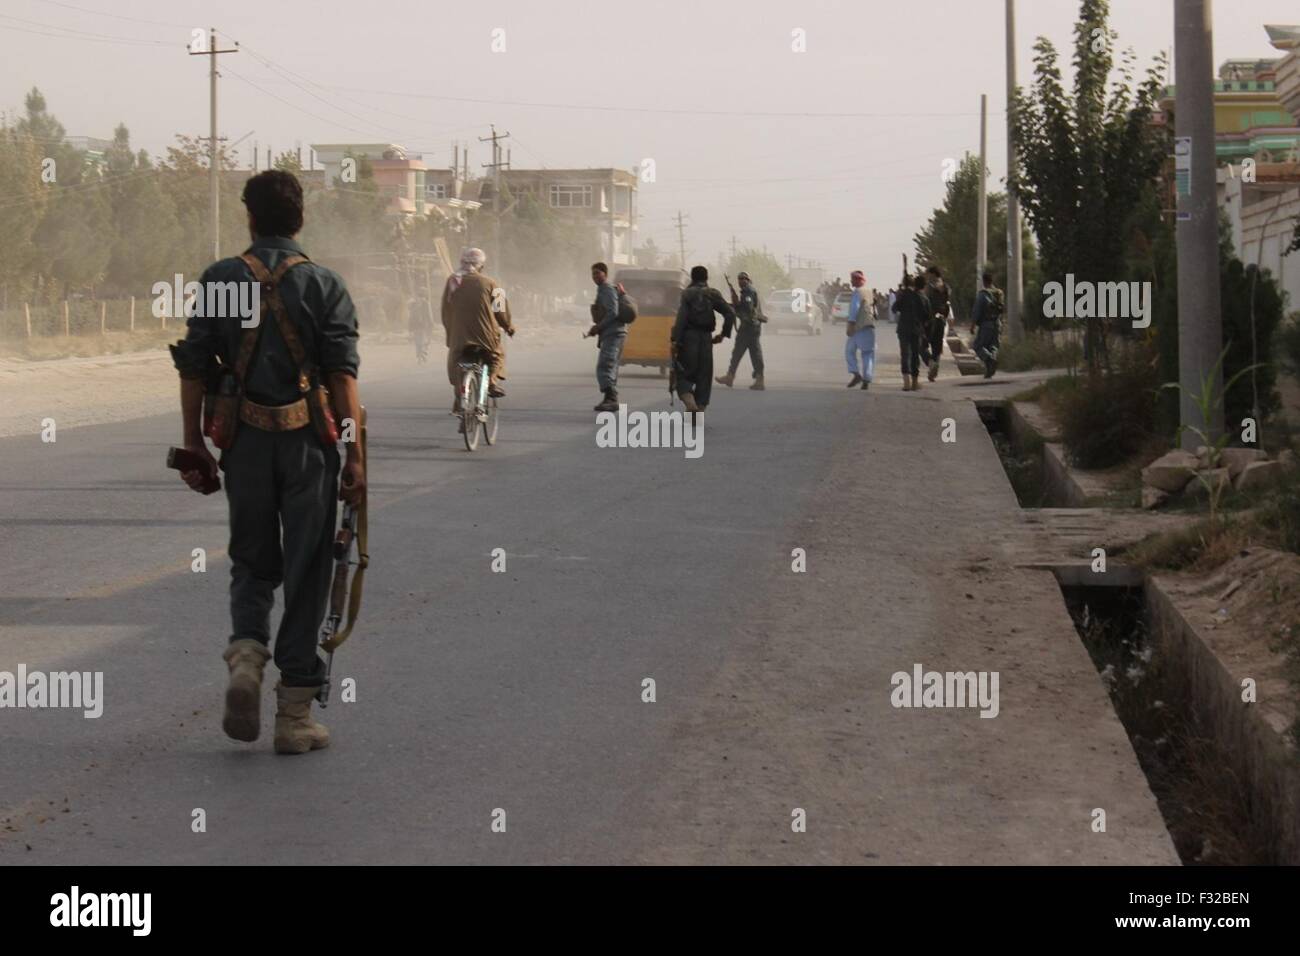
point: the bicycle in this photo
(478, 410)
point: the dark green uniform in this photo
(749, 318)
(282, 486)
(693, 338)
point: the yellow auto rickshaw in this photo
(657, 293)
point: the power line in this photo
(606, 108)
(69, 34)
(114, 16)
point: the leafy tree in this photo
(22, 206)
(1086, 158)
(949, 241)
(145, 232)
(764, 269)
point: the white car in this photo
(840, 309)
(792, 309)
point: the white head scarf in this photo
(471, 260)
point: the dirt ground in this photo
(93, 390)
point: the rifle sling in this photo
(363, 561)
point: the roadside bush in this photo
(1289, 343)
(1110, 417)
(1037, 350)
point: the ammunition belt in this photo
(275, 418)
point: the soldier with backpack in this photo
(936, 329)
(279, 396)
(693, 339)
(611, 314)
(986, 319)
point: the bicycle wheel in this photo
(491, 421)
(469, 423)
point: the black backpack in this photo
(994, 306)
(699, 308)
(626, 308)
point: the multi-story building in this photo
(603, 198)
(1250, 120)
(414, 190)
(1262, 213)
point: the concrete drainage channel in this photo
(1227, 786)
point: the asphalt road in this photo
(522, 690)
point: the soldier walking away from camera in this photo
(420, 324)
(936, 328)
(611, 336)
(986, 318)
(474, 314)
(277, 393)
(749, 327)
(913, 311)
(861, 331)
(693, 338)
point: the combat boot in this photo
(907, 383)
(728, 380)
(916, 383)
(246, 659)
(610, 402)
(295, 731)
(934, 370)
(758, 385)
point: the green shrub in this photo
(1107, 419)
(1289, 344)
(1037, 351)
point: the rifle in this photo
(907, 282)
(352, 535)
(735, 299)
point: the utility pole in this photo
(1200, 328)
(214, 174)
(495, 166)
(681, 238)
(982, 240)
(1015, 272)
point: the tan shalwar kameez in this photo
(469, 320)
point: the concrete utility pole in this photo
(495, 166)
(982, 240)
(1015, 273)
(681, 238)
(214, 174)
(1200, 328)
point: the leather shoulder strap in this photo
(271, 300)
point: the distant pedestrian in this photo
(936, 327)
(612, 335)
(912, 311)
(986, 318)
(861, 331)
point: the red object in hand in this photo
(183, 460)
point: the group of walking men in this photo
(922, 305)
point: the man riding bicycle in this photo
(474, 314)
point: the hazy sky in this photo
(587, 84)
